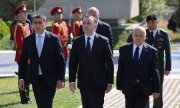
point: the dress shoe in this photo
(26, 102)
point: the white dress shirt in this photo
(91, 39)
(140, 49)
(42, 41)
(154, 32)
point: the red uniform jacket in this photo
(61, 29)
(75, 25)
(19, 31)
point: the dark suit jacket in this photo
(103, 29)
(162, 44)
(99, 65)
(145, 71)
(51, 60)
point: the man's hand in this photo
(166, 72)
(108, 88)
(60, 84)
(72, 87)
(21, 84)
(156, 95)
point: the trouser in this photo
(44, 93)
(137, 98)
(158, 102)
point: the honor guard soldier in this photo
(160, 40)
(20, 30)
(76, 22)
(60, 28)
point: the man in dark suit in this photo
(47, 65)
(91, 60)
(160, 40)
(102, 28)
(138, 75)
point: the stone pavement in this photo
(171, 95)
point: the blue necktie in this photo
(39, 45)
(136, 55)
(88, 46)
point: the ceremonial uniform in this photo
(76, 23)
(20, 30)
(60, 28)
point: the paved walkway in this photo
(171, 95)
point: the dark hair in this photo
(94, 18)
(39, 16)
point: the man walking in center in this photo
(91, 59)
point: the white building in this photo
(109, 9)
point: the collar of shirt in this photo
(91, 39)
(140, 49)
(154, 32)
(43, 36)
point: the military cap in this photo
(151, 17)
(77, 9)
(20, 8)
(56, 9)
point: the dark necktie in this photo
(88, 46)
(136, 55)
(152, 35)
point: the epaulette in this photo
(55, 24)
(19, 24)
(63, 22)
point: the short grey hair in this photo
(140, 28)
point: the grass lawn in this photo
(9, 96)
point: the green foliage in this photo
(171, 2)
(177, 13)
(4, 29)
(8, 6)
(130, 21)
(119, 37)
(157, 7)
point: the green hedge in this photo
(4, 29)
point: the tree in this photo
(8, 6)
(157, 7)
(177, 14)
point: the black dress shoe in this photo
(16, 73)
(26, 102)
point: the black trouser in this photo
(158, 102)
(92, 96)
(24, 94)
(44, 94)
(137, 98)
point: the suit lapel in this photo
(34, 47)
(144, 52)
